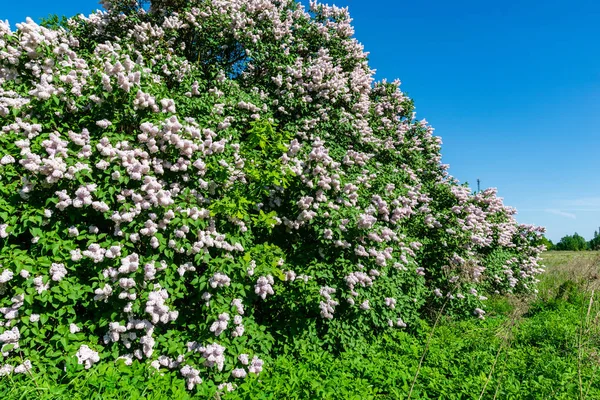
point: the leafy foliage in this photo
(540, 360)
(573, 242)
(203, 184)
(594, 243)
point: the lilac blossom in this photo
(87, 356)
(238, 373)
(219, 280)
(220, 324)
(263, 286)
(256, 366)
(58, 271)
(191, 375)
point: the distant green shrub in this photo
(594, 243)
(573, 242)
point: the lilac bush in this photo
(191, 184)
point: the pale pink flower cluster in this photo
(12, 312)
(191, 375)
(239, 327)
(239, 307)
(23, 368)
(263, 286)
(219, 280)
(158, 310)
(185, 268)
(256, 366)
(40, 286)
(390, 302)
(114, 332)
(251, 267)
(399, 323)
(358, 278)
(103, 294)
(58, 272)
(6, 369)
(327, 306)
(9, 337)
(167, 362)
(87, 356)
(214, 355)
(6, 276)
(220, 324)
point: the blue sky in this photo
(513, 89)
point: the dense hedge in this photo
(194, 185)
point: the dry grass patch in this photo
(565, 269)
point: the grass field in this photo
(541, 347)
(582, 267)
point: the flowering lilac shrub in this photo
(187, 185)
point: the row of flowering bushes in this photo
(192, 184)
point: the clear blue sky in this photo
(512, 87)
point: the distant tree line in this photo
(574, 242)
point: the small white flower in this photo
(23, 368)
(87, 356)
(479, 312)
(76, 255)
(244, 359)
(6, 369)
(237, 303)
(256, 366)
(38, 282)
(6, 276)
(239, 373)
(104, 123)
(7, 159)
(219, 280)
(58, 271)
(263, 286)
